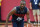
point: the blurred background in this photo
(7, 5)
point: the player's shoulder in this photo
(26, 8)
(14, 8)
(17, 6)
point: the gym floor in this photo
(25, 25)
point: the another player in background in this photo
(39, 10)
(34, 5)
(18, 14)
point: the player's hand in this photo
(39, 4)
(30, 7)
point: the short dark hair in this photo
(23, 2)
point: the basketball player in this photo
(18, 14)
(34, 5)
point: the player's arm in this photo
(27, 15)
(10, 13)
(39, 3)
(30, 4)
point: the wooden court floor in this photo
(25, 25)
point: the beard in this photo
(22, 7)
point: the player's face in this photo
(22, 5)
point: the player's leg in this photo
(21, 24)
(38, 14)
(14, 24)
(34, 14)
